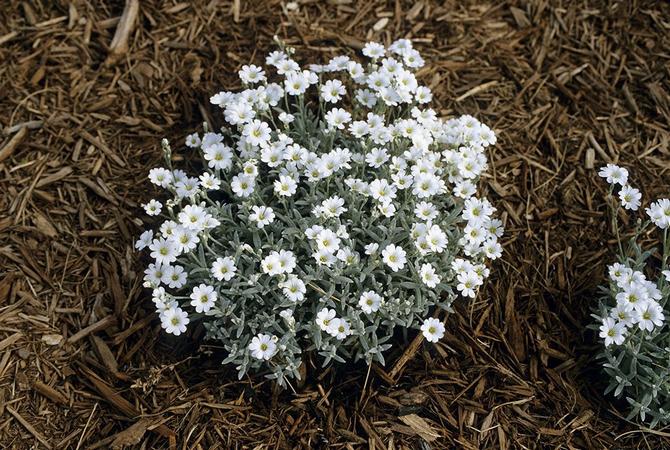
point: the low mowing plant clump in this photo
(632, 311)
(333, 207)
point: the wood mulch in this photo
(86, 94)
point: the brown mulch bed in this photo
(568, 86)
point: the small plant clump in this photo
(632, 312)
(333, 207)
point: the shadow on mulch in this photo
(83, 364)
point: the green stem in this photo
(666, 250)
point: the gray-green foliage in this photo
(428, 160)
(631, 319)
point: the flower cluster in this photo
(332, 207)
(631, 319)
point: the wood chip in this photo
(100, 325)
(119, 45)
(7, 150)
(50, 392)
(420, 427)
(29, 427)
(131, 435)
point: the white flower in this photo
(144, 240)
(174, 277)
(287, 261)
(374, 50)
(324, 257)
(275, 57)
(371, 249)
(613, 332)
(623, 312)
(423, 95)
(339, 328)
(256, 132)
(163, 251)
(271, 264)
(492, 249)
(366, 97)
(436, 239)
(243, 185)
(273, 154)
(432, 329)
(285, 186)
(465, 189)
(356, 71)
(413, 59)
(209, 182)
(168, 228)
(347, 256)
(193, 140)
(634, 295)
(428, 276)
(164, 303)
(160, 177)
(425, 185)
(286, 118)
(286, 314)
(460, 265)
(332, 207)
(211, 139)
(203, 298)
(332, 91)
(219, 156)
(376, 157)
(659, 212)
(370, 301)
(337, 117)
(342, 231)
(251, 74)
(617, 271)
(387, 209)
(295, 83)
(630, 277)
(153, 208)
(359, 128)
(650, 315)
(313, 231)
(263, 347)
(192, 217)
(468, 283)
(425, 211)
(286, 66)
(153, 274)
(220, 99)
(474, 234)
(159, 295)
(324, 317)
(476, 211)
(184, 239)
(187, 187)
(630, 197)
(237, 113)
(174, 321)
(401, 46)
(614, 174)
(394, 257)
(223, 268)
(494, 227)
(294, 289)
(327, 240)
(382, 191)
(666, 274)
